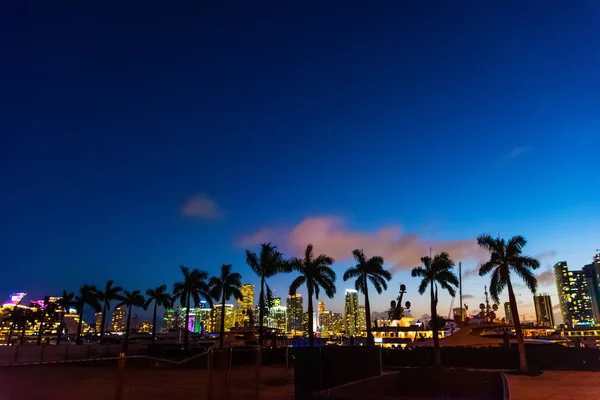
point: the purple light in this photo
(14, 299)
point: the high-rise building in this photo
(305, 321)
(275, 302)
(278, 318)
(362, 321)
(118, 320)
(337, 324)
(145, 327)
(351, 327)
(295, 308)
(246, 304)
(229, 317)
(325, 326)
(543, 310)
(98, 322)
(574, 294)
(592, 273)
(202, 318)
(170, 319)
(508, 313)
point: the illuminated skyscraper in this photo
(246, 304)
(98, 322)
(574, 294)
(592, 273)
(229, 317)
(118, 320)
(278, 318)
(295, 307)
(543, 310)
(351, 327)
(325, 327)
(508, 313)
(362, 321)
(202, 318)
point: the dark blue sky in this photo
(444, 120)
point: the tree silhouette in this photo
(88, 294)
(315, 273)
(365, 271)
(110, 293)
(191, 288)
(130, 300)
(434, 272)
(222, 289)
(63, 305)
(161, 298)
(507, 258)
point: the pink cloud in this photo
(201, 206)
(546, 278)
(331, 236)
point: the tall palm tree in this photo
(161, 298)
(110, 293)
(25, 316)
(365, 271)
(507, 258)
(317, 274)
(223, 288)
(130, 300)
(436, 271)
(63, 304)
(268, 263)
(88, 294)
(192, 287)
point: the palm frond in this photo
(296, 283)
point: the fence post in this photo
(17, 353)
(209, 374)
(120, 376)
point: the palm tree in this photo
(268, 263)
(88, 294)
(317, 274)
(507, 257)
(63, 304)
(223, 288)
(110, 293)
(191, 288)
(161, 298)
(364, 271)
(434, 272)
(130, 300)
(25, 316)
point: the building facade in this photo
(229, 317)
(543, 310)
(592, 273)
(294, 308)
(98, 322)
(351, 327)
(574, 294)
(508, 313)
(245, 304)
(118, 319)
(362, 321)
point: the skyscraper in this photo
(325, 323)
(362, 320)
(99, 322)
(295, 307)
(543, 310)
(278, 318)
(351, 327)
(202, 318)
(246, 304)
(592, 273)
(574, 294)
(229, 317)
(118, 320)
(508, 313)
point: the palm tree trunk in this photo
(154, 324)
(261, 312)
(186, 333)
(60, 328)
(127, 327)
(10, 333)
(370, 338)
(222, 330)
(79, 340)
(311, 334)
(436, 340)
(103, 323)
(41, 330)
(518, 332)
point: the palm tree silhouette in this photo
(316, 273)
(110, 293)
(130, 300)
(88, 294)
(223, 288)
(507, 258)
(63, 304)
(365, 271)
(434, 272)
(161, 298)
(191, 288)
(267, 264)
(25, 316)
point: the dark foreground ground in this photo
(66, 382)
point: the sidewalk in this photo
(555, 385)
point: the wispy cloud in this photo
(330, 235)
(201, 206)
(469, 273)
(518, 151)
(545, 255)
(546, 278)
(468, 296)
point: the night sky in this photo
(138, 137)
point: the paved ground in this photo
(99, 383)
(555, 385)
